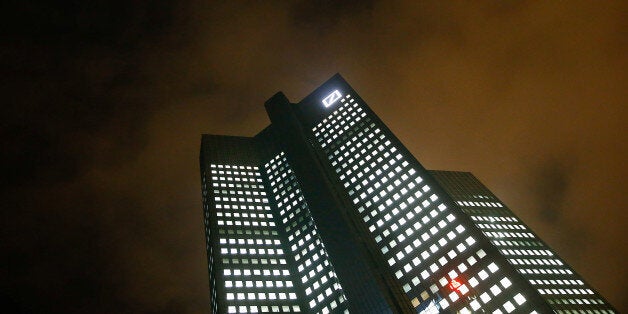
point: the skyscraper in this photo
(326, 211)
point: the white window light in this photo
(485, 297)
(495, 290)
(492, 267)
(453, 296)
(483, 275)
(505, 282)
(509, 307)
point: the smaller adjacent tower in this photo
(561, 287)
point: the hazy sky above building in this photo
(105, 102)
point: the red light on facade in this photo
(454, 284)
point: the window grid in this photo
(323, 291)
(256, 275)
(417, 233)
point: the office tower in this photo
(326, 211)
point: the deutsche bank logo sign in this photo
(331, 99)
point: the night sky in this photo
(105, 103)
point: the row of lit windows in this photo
(526, 252)
(565, 291)
(515, 243)
(264, 309)
(218, 166)
(236, 206)
(500, 226)
(236, 179)
(258, 284)
(250, 241)
(584, 311)
(245, 215)
(254, 261)
(236, 173)
(245, 223)
(251, 251)
(494, 218)
(247, 231)
(525, 261)
(479, 204)
(240, 199)
(491, 234)
(239, 192)
(545, 271)
(256, 222)
(562, 282)
(575, 301)
(256, 272)
(236, 185)
(261, 296)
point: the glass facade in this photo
(326, 211)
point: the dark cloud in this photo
(323, 16)
(105, 103)
(551, 185)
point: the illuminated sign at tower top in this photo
(331, 98)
